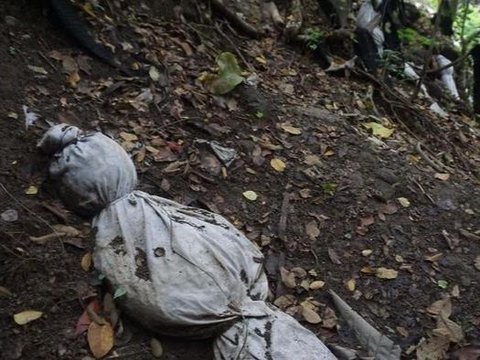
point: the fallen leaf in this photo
(310, 315)
(73, 79)
(156, 347)
(442, 176)
(154, 74)
(250, 195)
(312, 230)
(404, 202)
(433, 258)
(455, 291)
(32, 190)
(384, 273)
(433, 349)
(317, 284)
(442, 284)
(25, 317)
(379, 130)
(367, 252)
(402, 331)
(86, 261)
(351, 285)
(290, 129)
(100, 339)
(84, 320)
(128, 137)
(5, 292)
(229, 75)
(38, 69)
(285, 301)
(329, 318)
(288, 278)
(277, 164)
(467, 353)
(312, 160)
(476, 263)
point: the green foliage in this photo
(412, 37)
(314, 37)
(471, 16)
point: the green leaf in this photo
(120, 291)
(442, 284)
(379, 130)
(229, 74)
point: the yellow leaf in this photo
(261, 59)
(86, 262)
(100, 339)
(291, 129)
(379, 130)
(367, 252)
(87, 7)
(318, 284)
(25, 317)
(442, 176)
(32, 190)
(277, 164)
(384, 273)
(351, 285)
(250, 195)
(404, 202)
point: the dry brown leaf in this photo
(318, 284)
(329, 318)
(285, 301)
(128, 137)
(312, 230)
(288, 278)
(402, 331)
(100, 339)
(384, 273)
(433, 349)
(434, 258)
(86, 262)
(310, 315)
(290, 129)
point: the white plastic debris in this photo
(447, 75)
(30, 117)
(186, 271)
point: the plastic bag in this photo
(186, 271)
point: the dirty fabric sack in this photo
(186, 271)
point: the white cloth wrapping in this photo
(368, 18)
(186, 271)
(447, 76)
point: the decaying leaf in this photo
(250, 195)
(128, 137)
(100, 339)
(285, 301)
(329, 318)
(435, 349)
(25, 317)
(384, 273)
(84, 320)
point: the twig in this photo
(434, 164)
(46, 60)
(239, 53)
(282, 224)
(248, 29)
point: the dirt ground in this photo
(343, 217)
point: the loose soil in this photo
(337, 176)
